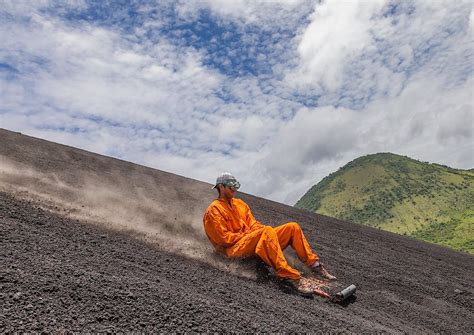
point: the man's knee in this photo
(268, 230)
(294, 225)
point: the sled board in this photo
(334, 291)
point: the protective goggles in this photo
(232, 184)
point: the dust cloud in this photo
(165, 215)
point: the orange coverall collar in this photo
(225, 202)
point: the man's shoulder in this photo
(240, 202)
(215, 204)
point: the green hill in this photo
(431, 202)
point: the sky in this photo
(280, 93)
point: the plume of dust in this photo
(153, 213)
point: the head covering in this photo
(225, 177)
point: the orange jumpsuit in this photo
(234, 232)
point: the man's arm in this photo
(217, 231)
(251, 221)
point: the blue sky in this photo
(281, 93)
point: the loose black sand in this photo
(60, 274)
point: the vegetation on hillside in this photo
(431, 202)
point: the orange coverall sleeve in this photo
(217, 229)
(253, 224)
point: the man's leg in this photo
(291, 234)
(264, 243)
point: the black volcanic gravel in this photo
(59, 274)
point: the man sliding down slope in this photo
(233, 230)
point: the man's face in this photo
(227, 191)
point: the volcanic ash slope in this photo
(92, 243)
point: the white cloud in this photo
(471, 21)
(354, 52)
(312, 137)
(338, 32)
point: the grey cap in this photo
(224, 177)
